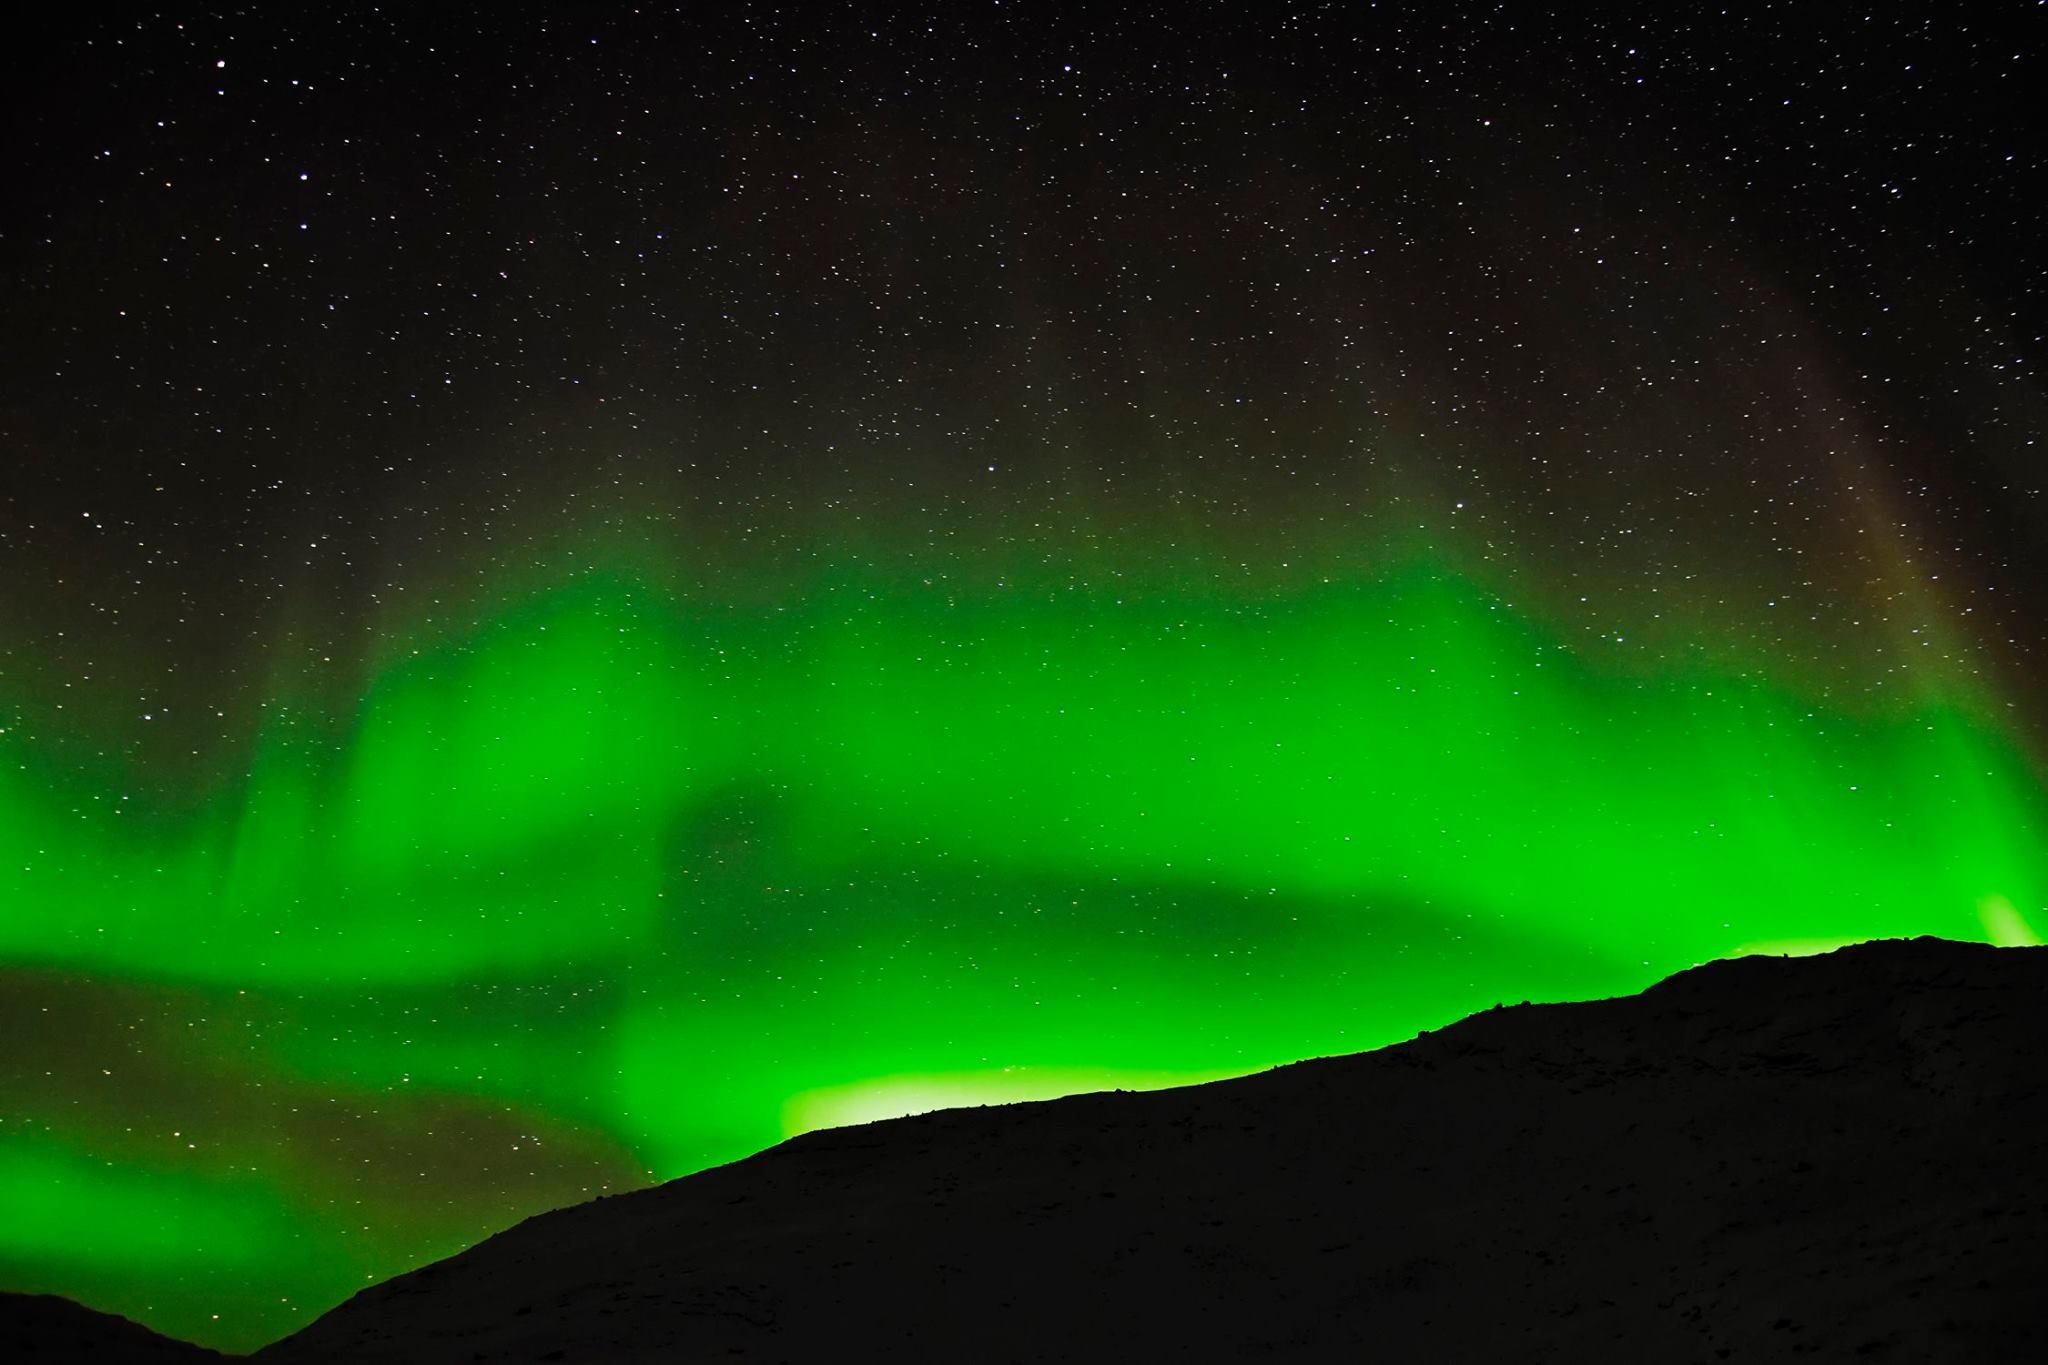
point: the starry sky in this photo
(581, 593)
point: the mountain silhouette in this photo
(45, 1327)
(1829, 1158)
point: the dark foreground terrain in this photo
(43, 1327)
(1832, 1158)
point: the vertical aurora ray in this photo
(575, 598)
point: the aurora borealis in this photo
(583, 595)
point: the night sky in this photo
(579, 595)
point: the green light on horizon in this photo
(687, 875)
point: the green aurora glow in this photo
(615, 881)
(586, 588)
